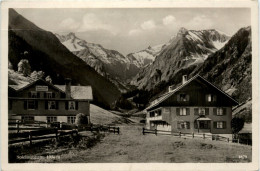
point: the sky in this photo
(130, 30)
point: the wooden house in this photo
(196, 106)
(43, 101)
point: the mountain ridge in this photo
(46, 53)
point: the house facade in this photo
(196, 106)
(43, 101)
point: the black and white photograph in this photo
(123, 84)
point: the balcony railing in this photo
(155, 118)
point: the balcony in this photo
(155, 118)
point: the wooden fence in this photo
(39, 135)
(48, 133)
(19, 126)
(187, 135)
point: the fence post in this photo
(30, 138)
(17, 126)
(118, 130)
(114, 130)
(180, 134)
(56, 133)
(193, 135)
(216, 138)
(143, 131)
(155, 131)
(203, 136)
(228, 140)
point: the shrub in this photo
(81, 119)
(24, 67)
(237, 124)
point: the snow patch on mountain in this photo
(219, 44)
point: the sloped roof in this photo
(17, 87)
(79, 92)
(167, 95)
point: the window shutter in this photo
(46, 104)
(57, 105)
(36, 104)
(214, 98)
(178, 97)
(38, 95)
(206, 97)
(188, 97)
(25, 105)
(224, 111)
(53, 95)
(178, 111)
(62, 95)
(77, 105)
(224, 125)
(215, 124)
(66, 105)
(187, 111)
(29, 94)
(195, 125)
(178, 125)
(214, 111)
(196, 111)
(44, 95)
(206, 111)
(10, 104)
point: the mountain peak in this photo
(71, 34)
(182, 30)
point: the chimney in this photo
(68, 87)
(170, 88)
(184, 79)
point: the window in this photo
(219, 111)
(183, 97)
(151, 114)
(27, 118)
(71, 119)
(51, 119)
(48, 95)
(72, 105)
(220, 124)
(202, 111)
(33, 94)
(183, 125)
(31, 104)
(183, 111)
(51, 105)
(158, 113)
(211, 98)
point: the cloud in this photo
(200, 21)
(91, 22)
(147, 25)
(134, 32)
(168, 20)
(69, 24)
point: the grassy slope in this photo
(132, 146)
(101, 116)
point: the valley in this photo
(131, 82)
